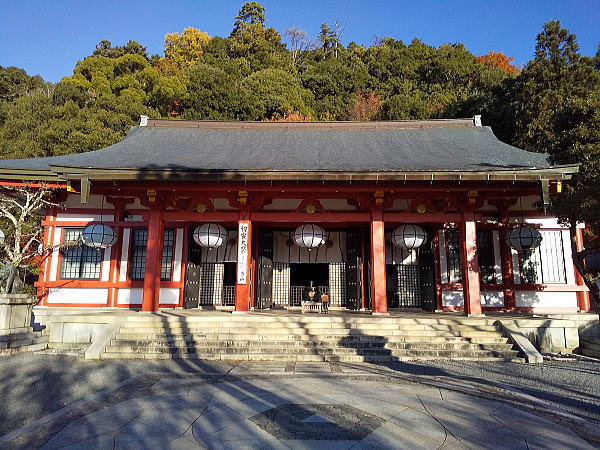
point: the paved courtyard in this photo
(304, 405)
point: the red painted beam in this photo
(297, 217)
(422, 218)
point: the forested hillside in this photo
(550, 105)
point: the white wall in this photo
(81, 296)
(540, 299)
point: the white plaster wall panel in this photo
(94, 202)
(492, 299)
(222, 204)
(224, 253)
(169, 296)
(55, 254)
(536, 299)
(515, 264)
(487, 206)
(452, 298)
(66, 217)
(81, 296)
(105, 267)
(568, 253)
(283, 204)
(542, 222)
(399, 205)
(497, 258)
(178, 254)
(397, 255)
(130, 296)
(124, 255)
(336, 204)
(527, 202)
(443, 262)
(282, 252)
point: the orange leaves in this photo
(498, 60)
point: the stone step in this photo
(185, 325)
(589, 345)
(23, 341)
(302, 331)
(310, 319)
(286, 347)
(590, 353)
(20, 336)
(308, 358)
(202, 351)
(493, 338)
(23, 348)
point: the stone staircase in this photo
(590, 346)
(309, 338)
(29, 341)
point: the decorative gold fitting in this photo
(379, 197)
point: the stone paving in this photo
(302, 406)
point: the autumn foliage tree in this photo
(498, 60)
(185, 49)
(364, 106)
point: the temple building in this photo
(435, 215)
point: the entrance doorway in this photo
(303, 275)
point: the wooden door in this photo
(264, 280)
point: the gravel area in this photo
(32, 386)
(571, 385)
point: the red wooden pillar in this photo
(244, 253)
(115, 255)
(470, 266)
(508, 280)
(153, 261)
(583, 297)
(378, 294)
(45, 266)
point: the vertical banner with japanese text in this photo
(242, 260)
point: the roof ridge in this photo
(383, 124)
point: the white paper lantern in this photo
(524, 238)
(2, 236)
(210, 235)
(409, 236)
(98, 235)
(309, 236)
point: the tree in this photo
(364, 106)
(21, 222)
(555, 75)
(251, 13)
(299, 42)
(185, 49)
(498, 60)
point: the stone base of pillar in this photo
(240, 312)
(474, 315)
(380, 314)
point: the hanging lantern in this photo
(409, 236)
(524, 238)
(98, 235)
(2, 236)
(309, 236)
(210, 235)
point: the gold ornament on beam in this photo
(310, 208)
(201, 208)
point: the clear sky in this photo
(47, 37)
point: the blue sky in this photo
(47, 37)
